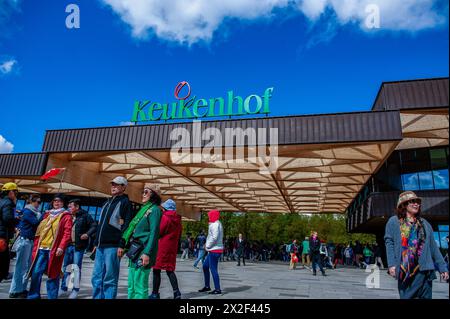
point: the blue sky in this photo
(317, 55)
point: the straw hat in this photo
(407, 196)
(154, 187)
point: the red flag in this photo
(52, 173)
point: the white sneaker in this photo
(73, 294)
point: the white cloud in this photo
(190, 21)
(5, 146)
(7, 66)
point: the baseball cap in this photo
(120, 180)
(10, 187)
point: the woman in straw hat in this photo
(141, 241)
(411, 249)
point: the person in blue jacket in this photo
(27, 226)
(412, 252)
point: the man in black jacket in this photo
(114, 219)
(314, 249)
(7, 222)
(240, 250)
(84, 227)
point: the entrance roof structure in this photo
(323, 160)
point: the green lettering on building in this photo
(192, 108)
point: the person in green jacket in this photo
(144, 230)
(367, 252)
(305, 253)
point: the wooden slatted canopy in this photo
(323, 161)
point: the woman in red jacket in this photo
(170, 233)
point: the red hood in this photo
(213, 216)
(172, 215)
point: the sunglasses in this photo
(414, 201)
(146, 192)
(115, 185)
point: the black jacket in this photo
(314, 246)
(7, 219)
(84, 224)
(115, 217)
(240, 246)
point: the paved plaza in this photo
(262, 280)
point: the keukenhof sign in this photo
(188, 107)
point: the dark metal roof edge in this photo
(415, 80)
(285, 144)
(39, 170)
(26, 153)
(403, 81)
(227, 120)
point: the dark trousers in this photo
(239, 256)
(157, 280)
(4, 264)
(420, 287)
(316, 260)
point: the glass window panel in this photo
(410, 182)
(20, 204)
(46, 206)
(443, 228)
(86, 208)
(444, 243)
(438, 158)
(440, 179)
(426, 180)
(436, 239)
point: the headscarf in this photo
(213, 216)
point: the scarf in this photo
(36, 212)
(413, 237)
(130, 230)
(47, 224)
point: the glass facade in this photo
(441, 236)
(415, 169)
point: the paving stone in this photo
(262, 280)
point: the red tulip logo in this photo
(178, 89)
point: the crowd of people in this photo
(56, 241)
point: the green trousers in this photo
(138, 282)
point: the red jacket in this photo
(63, 238)
(169, 232)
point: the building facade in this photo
(348, 163)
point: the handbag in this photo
(135, 249)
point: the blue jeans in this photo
(41, 266)
(211, 262)
(420, 287)
(71, 257)
(23, 262)
(201, 253)
(105, 276)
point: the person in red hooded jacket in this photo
(51, 240)
(170, 233)
(214, 247)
